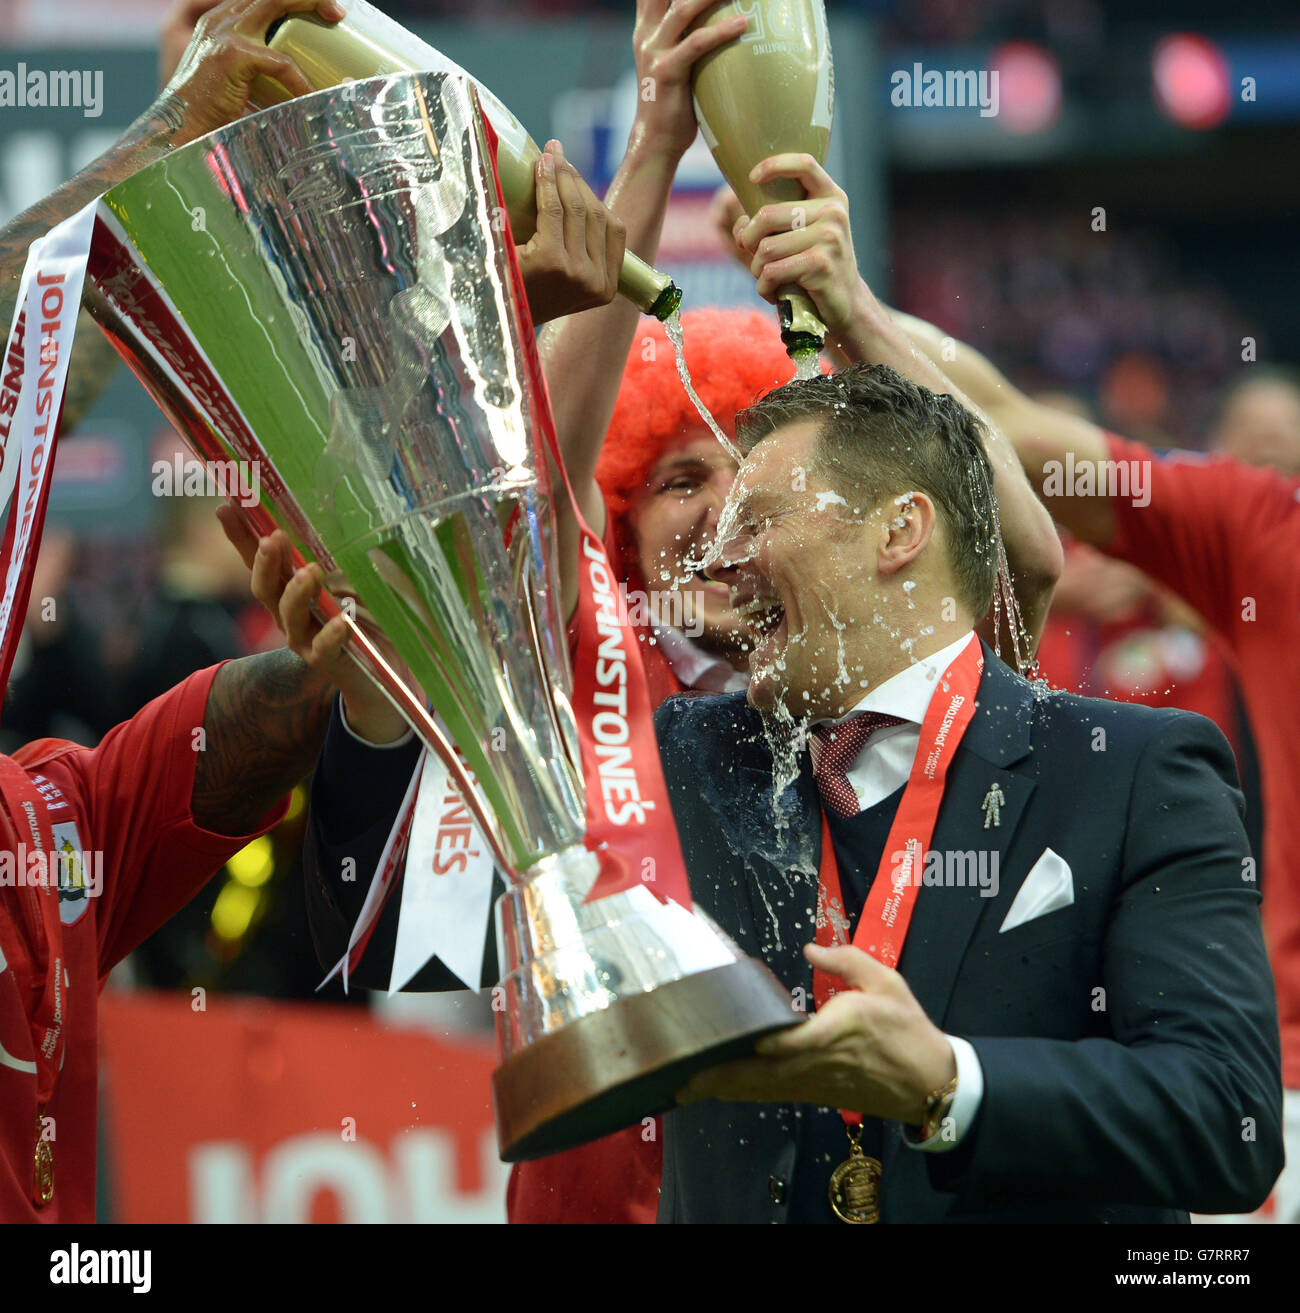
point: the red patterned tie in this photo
(834, 749)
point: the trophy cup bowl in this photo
(326, 289)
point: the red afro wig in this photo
(734, 356)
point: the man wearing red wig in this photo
(662, 477)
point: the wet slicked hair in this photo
(881, 435)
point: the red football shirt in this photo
(126, 802)
(1226, 537)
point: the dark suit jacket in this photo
(1129, 1042)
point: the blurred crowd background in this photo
(1120, 236)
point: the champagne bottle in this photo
(367, 43)
(768, 92)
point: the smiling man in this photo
(1090, 1034)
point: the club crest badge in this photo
(75, 882)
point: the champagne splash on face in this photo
(673, 327)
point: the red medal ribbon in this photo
(882, 927)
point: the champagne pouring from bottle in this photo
(367, 43)
(769, 92)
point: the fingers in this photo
(282, 68)
(749, 1080)
(550, 210)
(827, 1026)
(328, 646)
(858, 970)
(270, 570)
(798, 1079)
(240, 536)
(296, 619)
(700, 43)
(257, 15)
(682, 13)
(572, 262)
(817, 183)
(571, 198)
(788, 216)
(597, 217)
(605, 236)
(780, 246)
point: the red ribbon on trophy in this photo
(34, 374)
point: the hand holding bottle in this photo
(806, 243)
(572, 261)
(665, 120)
(228, 49)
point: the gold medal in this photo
(855, 1184)
(44, 1179)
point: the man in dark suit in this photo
(1081, 1025)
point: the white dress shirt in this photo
(879, 769)
(885, 761)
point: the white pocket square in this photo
(1048, 887)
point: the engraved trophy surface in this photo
(326, 288)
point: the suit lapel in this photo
(946, 913)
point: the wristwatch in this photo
(938, 1104)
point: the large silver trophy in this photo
(325, 289)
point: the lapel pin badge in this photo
(992, 806)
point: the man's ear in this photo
(908, 527)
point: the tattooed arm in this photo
(264, 725)
(93, 357)
(209, 90)
(146, 140)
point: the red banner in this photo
(252, 1111)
